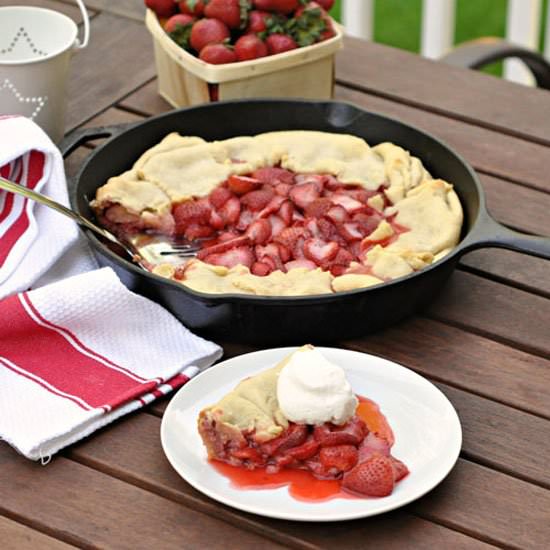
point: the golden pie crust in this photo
(182, 167)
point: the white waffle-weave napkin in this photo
(79, 353)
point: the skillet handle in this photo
(492, 234)
(82, 135)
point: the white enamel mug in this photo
(36, 45)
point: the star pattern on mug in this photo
(23, 35)
(40, 101)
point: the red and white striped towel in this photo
(80, 350)
(32, 236)
(79, 353)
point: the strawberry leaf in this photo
(307, 28)
(181, 35)
(244, 6)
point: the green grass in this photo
(397, 22)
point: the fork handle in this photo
(43, 199)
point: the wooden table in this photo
(484, 342)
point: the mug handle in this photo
(86, 20)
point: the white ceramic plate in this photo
(426, 427)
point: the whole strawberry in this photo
(279, 43)
(208, 31)
(250, 47)
(218, 54)
(163, 8)
(280, 6)
(178, 20)
(374, 477)
(257, 21)
(228, 11)
(192, 7)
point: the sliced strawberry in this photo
(219, 196)
(373, 477)
(283, 189)
(216, 221)
(359, 193)
(303, 194)
(373, 445)
(327, 229)
(277, 224)
(302, 263)
(343, 457)
(318, 207)
(368, 222)
(259, 231)
(295, 435)
(320, 251)
(343, 258)
(350, 231)
(223, 246)
(350, 205)
(317, 179)
(242, 255)
(337, 214)
(290, 235)
(329, 435)
(273, 175)
(198, 231)
(304, 451)
(190, 211)
(242, 184)
(250, 454)
(230, 211)
(256, 200)
(400, 470)
(271, 255)
(272, 206)
(313, 227)
(228, 235)
(284, 252)
(286, 211)
(245, 219)
(261, 269)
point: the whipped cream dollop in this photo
(312, 390)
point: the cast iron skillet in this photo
(292, 320)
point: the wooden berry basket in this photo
(184, 79)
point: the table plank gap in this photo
(88, 508)
(456, 93)
(144, 463)
(19, 535)
(490, 152)
(509, 281)
(459, 303)
(453, 356)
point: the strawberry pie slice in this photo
(302, 415)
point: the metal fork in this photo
(141, 255)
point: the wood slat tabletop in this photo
(484, 341)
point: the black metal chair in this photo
(478, 53)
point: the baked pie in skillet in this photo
(285, 213)
(302, 414)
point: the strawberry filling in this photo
(359, 459)
(274, 219)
